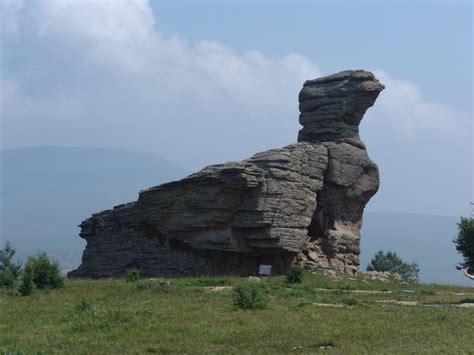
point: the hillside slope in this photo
(200, 315)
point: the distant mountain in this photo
(425, 239)
(47, 191)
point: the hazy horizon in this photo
(118, 149)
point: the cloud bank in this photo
(100, 73)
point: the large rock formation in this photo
(331, 110)
(299, 204)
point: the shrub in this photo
(295, 275)
(44, 272)
(9, 271)
(132, 275)
(350, 301)
(464, 242)
(27, 286)
(6, 255)
(250, 296)
(8, 277)
(427, 292)
(467, 300)
(390, 262)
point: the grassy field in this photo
(198, 316)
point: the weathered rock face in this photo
(331, 110)
(351, 179)
(333, 106)
(299, 204)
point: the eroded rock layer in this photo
(299, 204)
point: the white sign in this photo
(265, 270)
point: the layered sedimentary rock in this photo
(299, 204)
(331, 109)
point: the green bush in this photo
(9, 271)
(27, 286)
(8, 277)
(132, 275)
(250, 296)
(295, 275)
(350, 301)
(464, 242)
(427, 292)
(44, 272)
(467, 300)
(390, 262)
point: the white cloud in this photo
(403, 109)
(126, 84)
(99, 73)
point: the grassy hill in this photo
(341, 316)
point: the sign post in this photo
(265, 270)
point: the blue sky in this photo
(425, 42)
(202, 83)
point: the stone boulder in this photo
(299, 204)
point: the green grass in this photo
(187, 316)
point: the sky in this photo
(207, 82)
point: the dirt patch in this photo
(335, 305)
(364, 292)
(219, 288)
(401, 303)
(415, 303)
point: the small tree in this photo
(44, 272)
(390, 262)
(8, 277)
(132, 275)
(9, 271)
(464, 242)
(27, 286)
(250, 296)
(294, 275)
